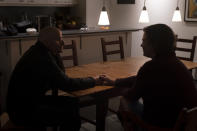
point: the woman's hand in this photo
(106, 80)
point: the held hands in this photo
(104, 80)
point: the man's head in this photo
(158, 39)
(51, 37)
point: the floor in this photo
(112, 122)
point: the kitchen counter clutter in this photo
(68, 32)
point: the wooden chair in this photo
(117, 42)
(188, 118)
(191, 50)
(105, 53)
(74, 53)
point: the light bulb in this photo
(177, 15)
(103, 19)
(144, 16)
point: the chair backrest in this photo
(105, 52)
(74, 53)
(186, 42)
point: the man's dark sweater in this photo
(37, 72)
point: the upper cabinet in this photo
(38, 2)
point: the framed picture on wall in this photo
(126, 1)
(191, 10)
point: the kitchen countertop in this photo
(68, 32)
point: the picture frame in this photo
(125, 1)
(190, 11)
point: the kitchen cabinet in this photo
(38, 2)
(89, 48)
(64, 2)
(12, 50)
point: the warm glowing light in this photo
(177, 15)
(144, 16)
(103, 19)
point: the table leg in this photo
(101, 112)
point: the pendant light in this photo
(144, 15)
(177, 14)
(103, 19)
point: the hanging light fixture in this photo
(144, 15)
(177, 14)
(103, 19)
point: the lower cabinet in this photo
(18, 48)
(89, 49)
(11, 51)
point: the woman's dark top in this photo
(166, 86)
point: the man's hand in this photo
(98, 81)
(106, 80)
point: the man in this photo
(39, 70)
(164, 83)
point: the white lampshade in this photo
(103, 19)
(177, 15)
(144, 16)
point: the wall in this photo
(127, 15)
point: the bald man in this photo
(39, 70)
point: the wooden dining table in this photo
(113, 69)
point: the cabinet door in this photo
(64, 2)
(21, 1)
(14, 53)
(18, 48)
(37, 2)
(26, 44)
(56, 1)
(41, 2)
(30, 1)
